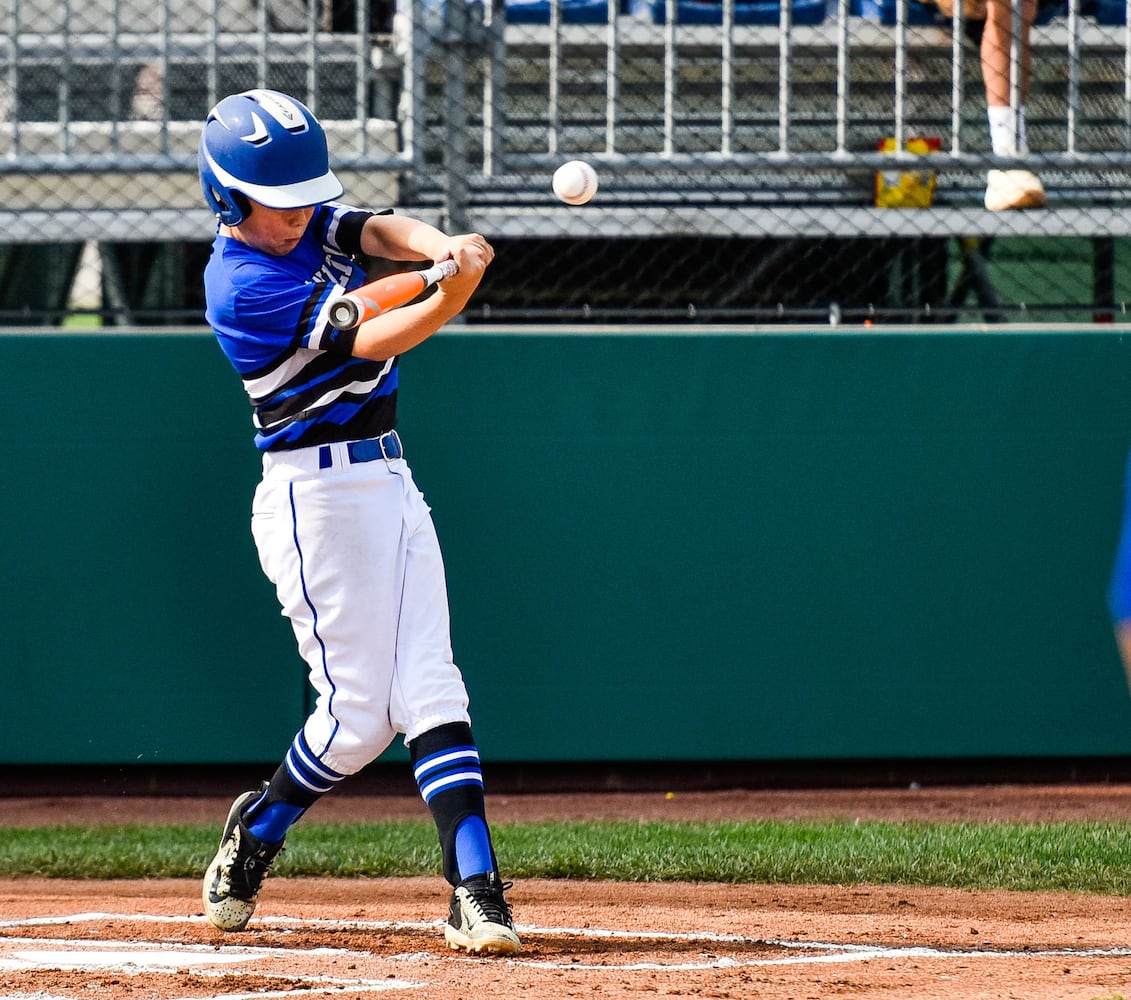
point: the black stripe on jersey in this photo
(310, 309)
(339, 343)
(311, 385)
(277, 361)
(295, 345)
(373, 420)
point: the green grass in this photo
(82, 320)
(1072, 857)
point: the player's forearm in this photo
(400, 330)
(396, 237)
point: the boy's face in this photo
(276, 231)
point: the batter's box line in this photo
(282, 922)
(249, 951)
(986, 952)
(833, 952)
(275, 922)
(172, 959)
(837, 954)
(313, 984)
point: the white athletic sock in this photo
(1007, 132)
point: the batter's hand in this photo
(473, 254)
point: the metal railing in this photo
(459, 112)
(478, 110)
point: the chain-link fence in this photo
(823, 160)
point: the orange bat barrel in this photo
(384, 294)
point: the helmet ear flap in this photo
(231, 206)
(227, 206)
(243, 204)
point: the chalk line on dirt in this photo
(24, 953)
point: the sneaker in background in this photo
(1006, 189)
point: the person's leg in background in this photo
(1007, 189)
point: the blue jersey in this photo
(269, 315)
(1119, 588)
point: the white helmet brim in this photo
(300, 195)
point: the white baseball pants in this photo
(353, 555)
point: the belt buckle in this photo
(390, 455)
(387, 446)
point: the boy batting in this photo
(341, 528)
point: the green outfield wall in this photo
(662, 544)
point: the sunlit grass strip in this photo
(1075, 857)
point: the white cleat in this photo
(479, 920)
(232, 882)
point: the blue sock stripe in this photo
(272, 824)
(473, 848)
(307, 773)
(310, 758)
(446, 760)
(459, 779)
(302, 777)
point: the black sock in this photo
(446, 764)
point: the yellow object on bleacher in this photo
(907, 188)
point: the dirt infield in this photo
(312, 938)
(1036, 803)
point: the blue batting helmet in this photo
(268, 147)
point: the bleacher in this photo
(732, 118)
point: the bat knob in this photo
(343, 314)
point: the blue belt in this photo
(387, 446)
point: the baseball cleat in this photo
(480, 918)
(231, 884)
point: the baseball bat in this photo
(386, 293)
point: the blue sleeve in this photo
(264, 316)
(265, 308)
(1119, 589)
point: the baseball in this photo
(575, 182)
